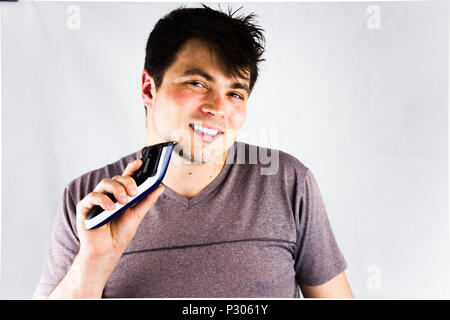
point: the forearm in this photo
(86, 277)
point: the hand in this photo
(111, 239)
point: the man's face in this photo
(196, 104)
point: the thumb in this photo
(132, 167)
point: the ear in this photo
(148, 89)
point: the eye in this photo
(236, 95)
(197, 84)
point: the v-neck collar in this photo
(189, 202)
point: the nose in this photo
(214, 106)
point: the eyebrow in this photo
(207, 76)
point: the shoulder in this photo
(269, 168)
(85, 183)
(270, 162)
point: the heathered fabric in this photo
(244, 235)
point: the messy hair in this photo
(236, 40)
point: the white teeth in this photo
(207, 131)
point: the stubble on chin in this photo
(192, 151)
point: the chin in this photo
(206, 155)
(200, 155)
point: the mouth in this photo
(207, 133)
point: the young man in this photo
(221, 228)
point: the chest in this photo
(230, 247)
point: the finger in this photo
(132, 167)
(94, 199)
(129, 183)
(113, 187)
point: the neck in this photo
(189, 179)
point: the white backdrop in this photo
(356, 91)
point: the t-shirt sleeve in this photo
(317, 258)
(63, 247)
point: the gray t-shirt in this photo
(247, 234)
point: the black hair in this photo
(237, 41)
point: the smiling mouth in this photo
(204, 131)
